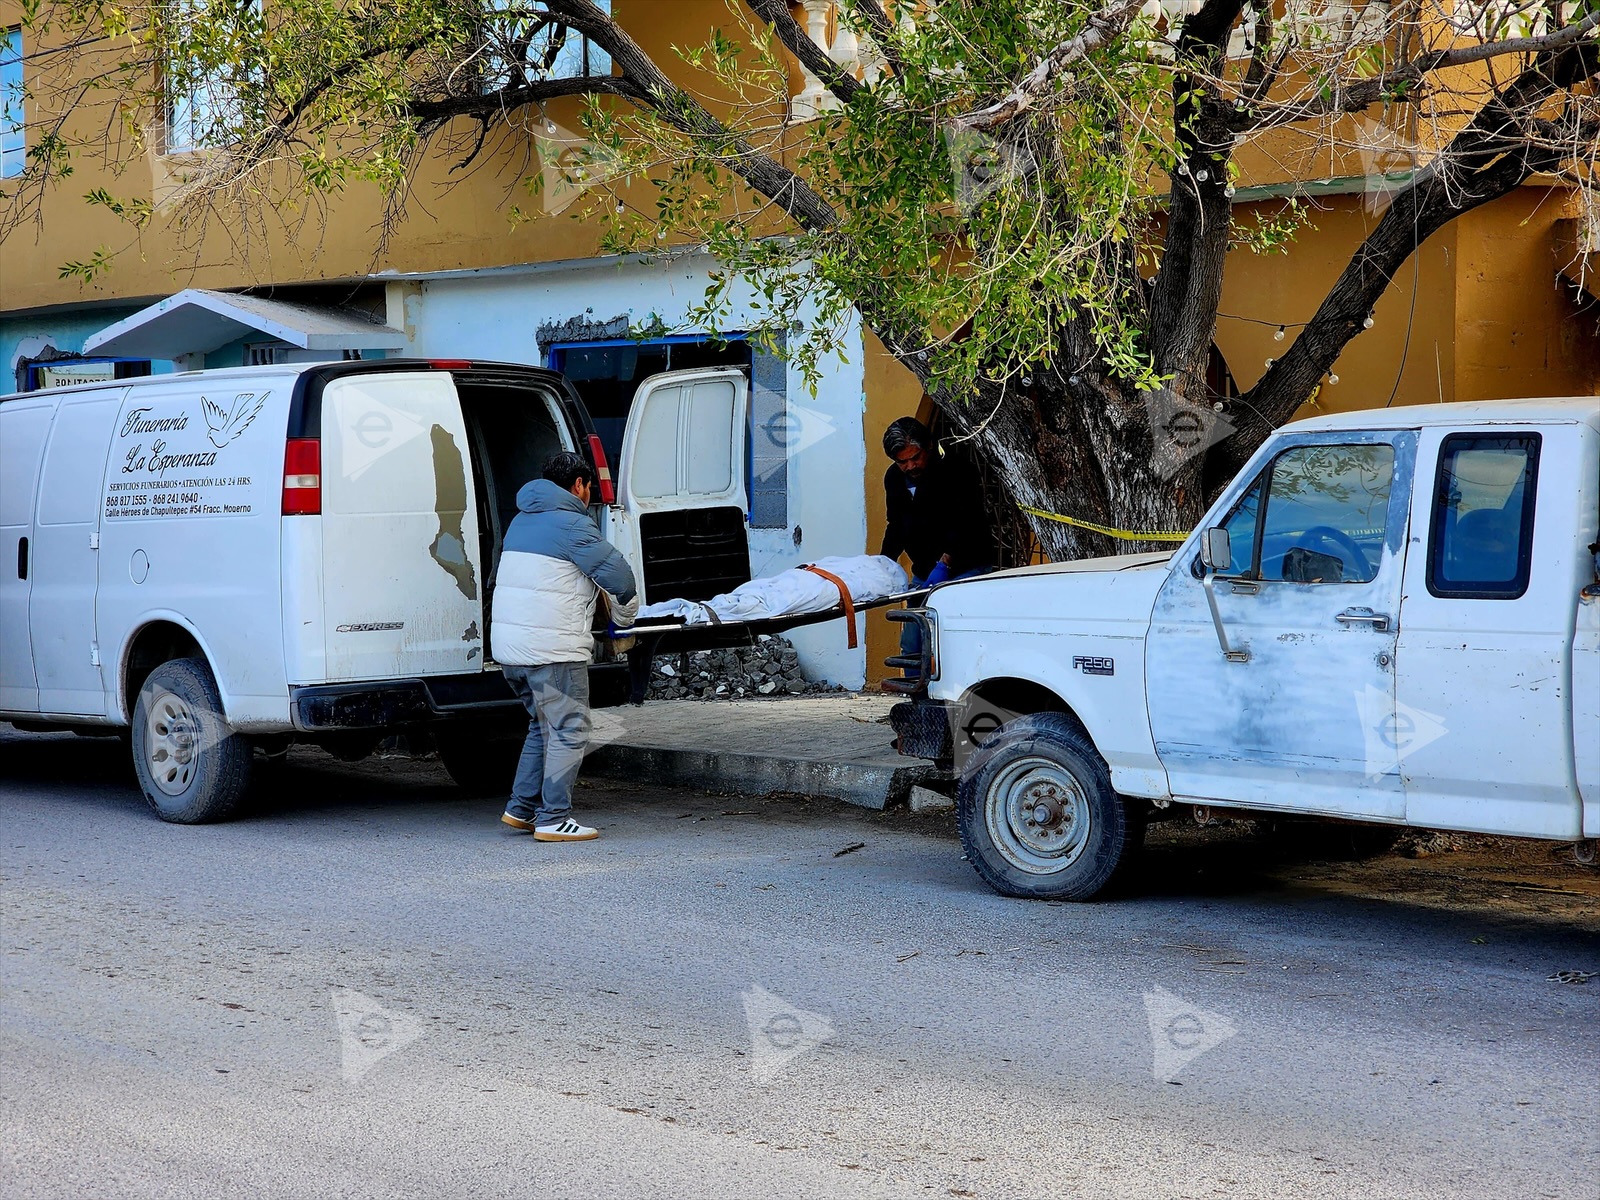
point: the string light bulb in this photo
(1278, 336)
(1368, 323)
(1270, 361)
(1333, 379)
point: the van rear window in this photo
(1480, 546)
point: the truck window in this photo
(1480, 544)
(1326, 515)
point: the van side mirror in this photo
(1216, 549)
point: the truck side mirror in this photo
(1216, 549)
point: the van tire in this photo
(192, 766)
(479, 765)
(1044, 763)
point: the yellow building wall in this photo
(1408, 354)
(891, 392)
(1518, 329)
(455, 219)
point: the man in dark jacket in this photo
(935, 507)
(552, 570)
(936, 514)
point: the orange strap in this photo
(844, 599)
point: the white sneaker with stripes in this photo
(566, 830)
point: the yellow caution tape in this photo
(1127, 535)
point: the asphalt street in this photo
(366, 986)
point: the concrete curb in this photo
(876, 782)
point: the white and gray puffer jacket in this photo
(552, 570)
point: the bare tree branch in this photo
(1102, 27)
(1399, 82)
(1488, 158)
(813, 57)
(652, 89)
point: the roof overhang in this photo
(198, 321)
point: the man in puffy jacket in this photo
(552, 570)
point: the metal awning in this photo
(197, 321)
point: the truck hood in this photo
(1115, 562)
(1104, 592)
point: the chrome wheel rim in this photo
(1038, 815)
(171, 743)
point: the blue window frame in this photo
(13, 142)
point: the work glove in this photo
(940, 573)
(621, 637)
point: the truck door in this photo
(401, 559)
(1301, 717)
(24, 428)
(66, 551)
(681, 512)
(1485, 633)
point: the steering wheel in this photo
(1342, 541)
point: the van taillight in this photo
(302, 477)
(602, 470)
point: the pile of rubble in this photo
(770, 668)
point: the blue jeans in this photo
(557, 699)
(911, 632)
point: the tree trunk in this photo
(1083, 448)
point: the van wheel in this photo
(192, 767)
(1038, 816)
(479, 765)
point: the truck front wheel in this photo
(1039, 818)
(192, 766)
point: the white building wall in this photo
(496, 315)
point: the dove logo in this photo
(227, 424)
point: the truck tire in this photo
(1039, 818)
(192, 767)
(480, 765)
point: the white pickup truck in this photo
(1389, 617)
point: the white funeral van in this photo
(221, 560)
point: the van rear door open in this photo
(682, 501)
(403, 576)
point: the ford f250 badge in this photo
(1094, 666)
